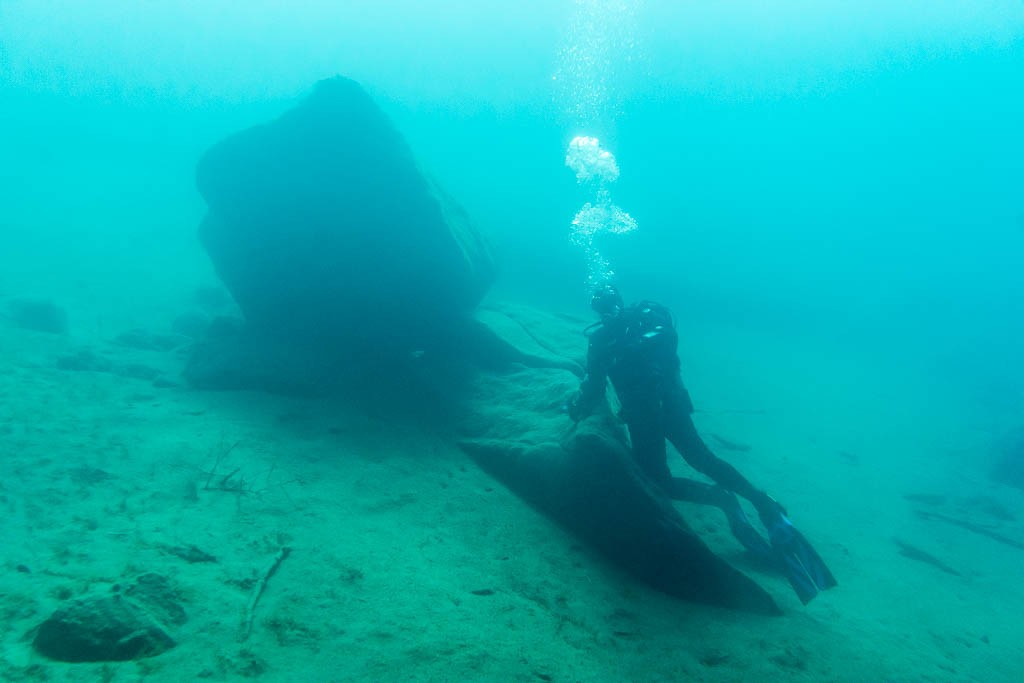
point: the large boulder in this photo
(101, 629)
(328, 235)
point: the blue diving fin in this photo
(806, 571)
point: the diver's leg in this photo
(680, 430)
(647, 437)
(698, 492)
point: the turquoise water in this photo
(829, 195)
(871, 155)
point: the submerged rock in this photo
(328, 235)
(40, 315)
(105, 629)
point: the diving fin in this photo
(802, 565)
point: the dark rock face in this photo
(328, 235)
(591, 484)
(107, 629)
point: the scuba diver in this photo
(635, 347)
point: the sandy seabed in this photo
(406, 562)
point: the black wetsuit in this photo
(636, 350)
